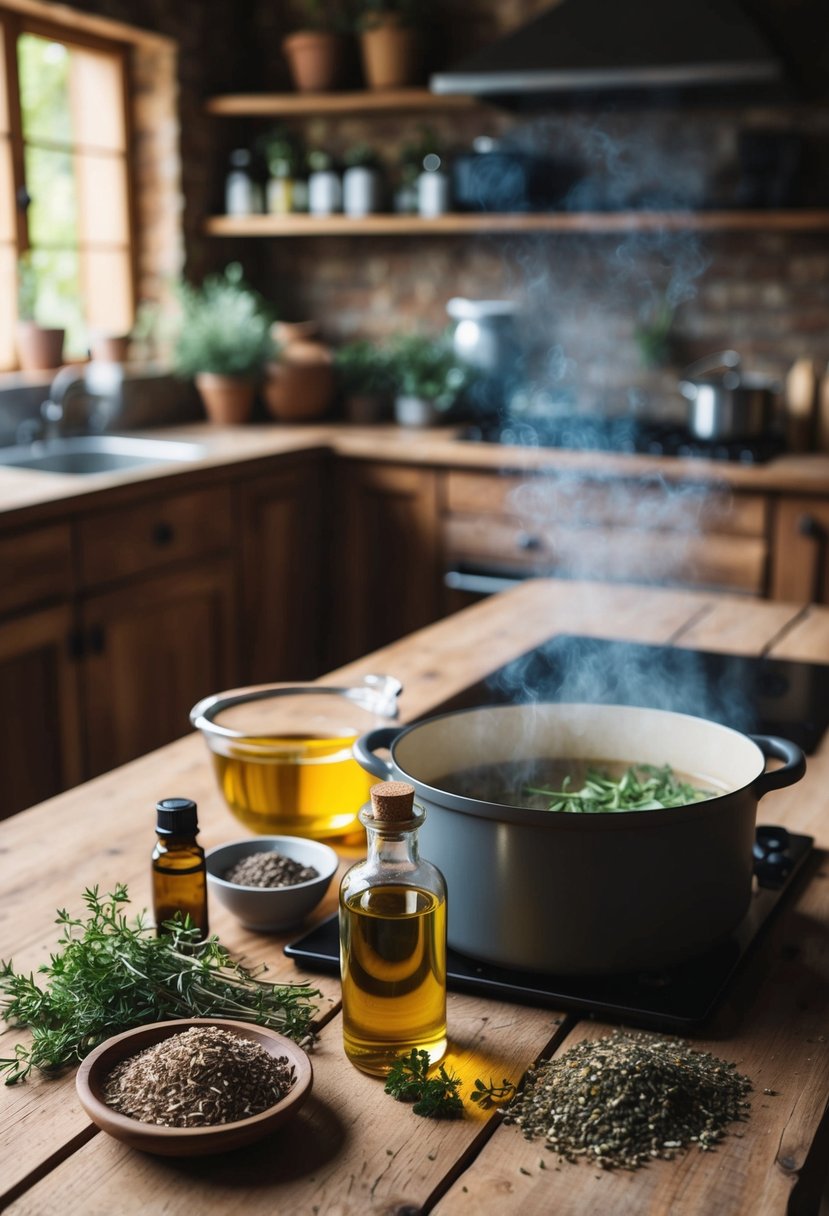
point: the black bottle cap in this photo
(176, 817)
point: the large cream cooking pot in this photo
(587, 893)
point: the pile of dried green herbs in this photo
(110, 974)
(625, 1099)
(642, 787)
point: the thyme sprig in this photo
(434, 1097)
(110, 974)
(642, 787)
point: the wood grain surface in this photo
(354, 1150)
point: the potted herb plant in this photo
(362, 183)
(365, 376)
(389, 43)
(427, 378)
(315, 52)
(224, 342)
(39, 348)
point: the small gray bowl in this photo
(269, 909)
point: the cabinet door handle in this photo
(163, 534)
(530, 542)
(814, 530)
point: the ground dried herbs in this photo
(202, 1077)
(269, 869)
(628, 1098)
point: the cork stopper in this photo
(392, 801)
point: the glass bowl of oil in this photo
(282, 752)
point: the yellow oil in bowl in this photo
(294, 785)
(282, 753)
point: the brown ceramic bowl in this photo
(187, 1141)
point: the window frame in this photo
(14, 24)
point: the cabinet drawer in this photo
(36, 567)
(573, 498)
(628, 554)
(152, 535)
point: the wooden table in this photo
(352, 1149)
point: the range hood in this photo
(601, 46)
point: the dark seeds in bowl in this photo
(269, 869)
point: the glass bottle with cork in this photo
(392, 939)
(178, 868)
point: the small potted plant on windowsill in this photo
(389, 42)
(39, 347)
(224, 341)
(427, 378)
(316, 51)
(365, 377)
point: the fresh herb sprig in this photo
(491, 1095)
(109, 975)
(642, 787)
(434, 1097)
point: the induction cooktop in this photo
(674, 998)
(756, 695)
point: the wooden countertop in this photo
(352, 1149)
(27, 494)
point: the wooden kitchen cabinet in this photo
(282, 571)
(40, 734)
(800, 550)
(386, 556)
(150, 650)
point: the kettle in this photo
(724, 403)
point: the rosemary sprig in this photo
(434, 1097)
(109, 975)
(642, 787)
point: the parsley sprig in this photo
(110, 974)
(434, 1097)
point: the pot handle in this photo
(363, 750)
(794, 763)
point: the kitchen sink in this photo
(88, 454)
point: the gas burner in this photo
(595, 433)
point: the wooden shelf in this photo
(563, 222)
(363, 101)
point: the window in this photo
(64, 181)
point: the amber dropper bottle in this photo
(393, 939)
(178, 868)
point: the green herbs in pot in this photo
(642, 787)
(109, 975)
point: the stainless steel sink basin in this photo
(89, 454)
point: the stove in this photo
(676, 999)
(596, 433)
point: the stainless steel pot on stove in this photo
(587, 893)
(724, 402)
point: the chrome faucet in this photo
(98, 385)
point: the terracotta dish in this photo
(187, 1141)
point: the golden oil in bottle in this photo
(392, 940)
(293, 785)
(178, 867)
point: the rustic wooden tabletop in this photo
(352, 1149)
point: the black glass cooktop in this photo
(754, 695)
(675, 998)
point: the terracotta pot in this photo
(365, 409)
(315, 60)
(109, 348)
(296, 391)
(390, 53)
(228, 400)
(39, 349)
